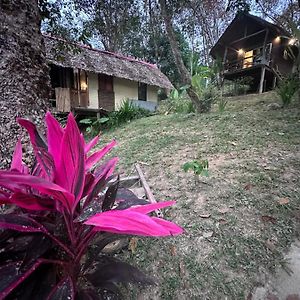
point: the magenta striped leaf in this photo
(44, 159)
(96, 156)
(16, 163)
(32, 202)
(70, 173)
(130, 222)
(54, 137)
(101, 175)
(20, 223)
(16, 182)
(35, 137)
(91, 144)
(145, 209)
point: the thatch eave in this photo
(104, 62)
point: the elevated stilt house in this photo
(252, 47)
(87, 80)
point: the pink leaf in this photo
(172, 227)
(35, 137)
(100, 176)
(54, 135)
(71, 172)
(16, 163)
(147, 208)
(31, 202)
(91, 144)
(16, 182)
(129, 222)
(44, 159)
(95, 157)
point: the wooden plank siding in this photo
(63, 99)
(106, 100)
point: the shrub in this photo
(126, 113)
(222, 103)
(208, 94)
(58, 207)
(177, 102)
(198, 167)
(94, 124)
(287, 88)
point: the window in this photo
(248, 59)
(105, 83)
(142, 91)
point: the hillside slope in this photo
(239, 220)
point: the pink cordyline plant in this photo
(66, 200)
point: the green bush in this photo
(287, 88)
(222, 104)
(208, 96)
(177, 102)
(126, 113)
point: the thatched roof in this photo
(236, 28)
(66, 54)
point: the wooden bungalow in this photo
(252, 47)
(87, 80)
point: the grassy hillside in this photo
(240, 219)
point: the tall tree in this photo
(114, 23)
(23, 70)
(183, 71)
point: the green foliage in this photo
(287, 88)
(198, 167)
(207, 94)
(159, 51)
(177, 102)
(222, 102)
(126, 113)
(94, 124)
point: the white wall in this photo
(124, 88)
(93, 90)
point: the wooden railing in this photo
(244, 63)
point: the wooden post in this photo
(264, 46)
(224, 58)
(262, 79)
(274, 82)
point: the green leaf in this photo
(86, 121)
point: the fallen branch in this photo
(147, 189)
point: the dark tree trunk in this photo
(184, 73)
(24, 78)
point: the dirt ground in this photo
(241, 220)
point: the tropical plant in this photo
(177, 102)
(208, 94)
(126, 113)
(94, 124)
(222, 103)
(56, 209)
(287, 87)
(198, 167)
